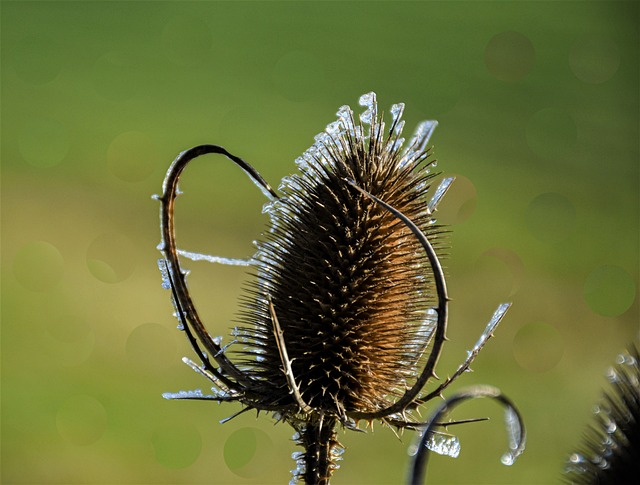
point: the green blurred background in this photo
(538, 111)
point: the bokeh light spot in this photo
(69, 340)
(242, 123)
(550, 217)
(496, 276)
(609, 291)
(509, 56)
(43, 142)
(459, 203)
(538, 347)
(151, 347)
(82, 420)
(132, 156)
(37, 59)
(512, 262)
(111, 258)
(38, 266)
(297, 75)
(68, 328)
(248, 452)
(115, 76)
(594, 59)
(187, 40)
(176, 445)
(551, 133)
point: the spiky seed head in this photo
(611, 450)
(350, 284)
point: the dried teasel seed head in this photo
(611, 450)
(348, 282)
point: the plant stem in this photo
(322, 451)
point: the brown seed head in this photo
(350, 284)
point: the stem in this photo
(322, 451)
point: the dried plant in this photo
(346, 317)
(610, 453)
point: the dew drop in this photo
(508, 459)
(164, 272)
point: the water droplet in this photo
(440, 443)
(164, 272)
(194, 394)
(507, 459)
(514, 429)
(577, 458)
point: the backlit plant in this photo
(346, 316)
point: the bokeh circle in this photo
(81, 420)
(68, 340)
(248, 452)
(538, 347)
(187, 40)
(116, 76)
(151, 347)
(37, 59)
(459, 203)
(550, 217)
(38, 266)
(132, 156)
(509, 56)
(176, 444)
(609, 290)
(297, 75)
(594, 58)
(111, 258)
(551, 133)
(44, 142)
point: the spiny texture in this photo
(349, 282)
(611, 453)
(321, 453)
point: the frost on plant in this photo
(345, 319)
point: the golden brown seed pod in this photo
(349, 282)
